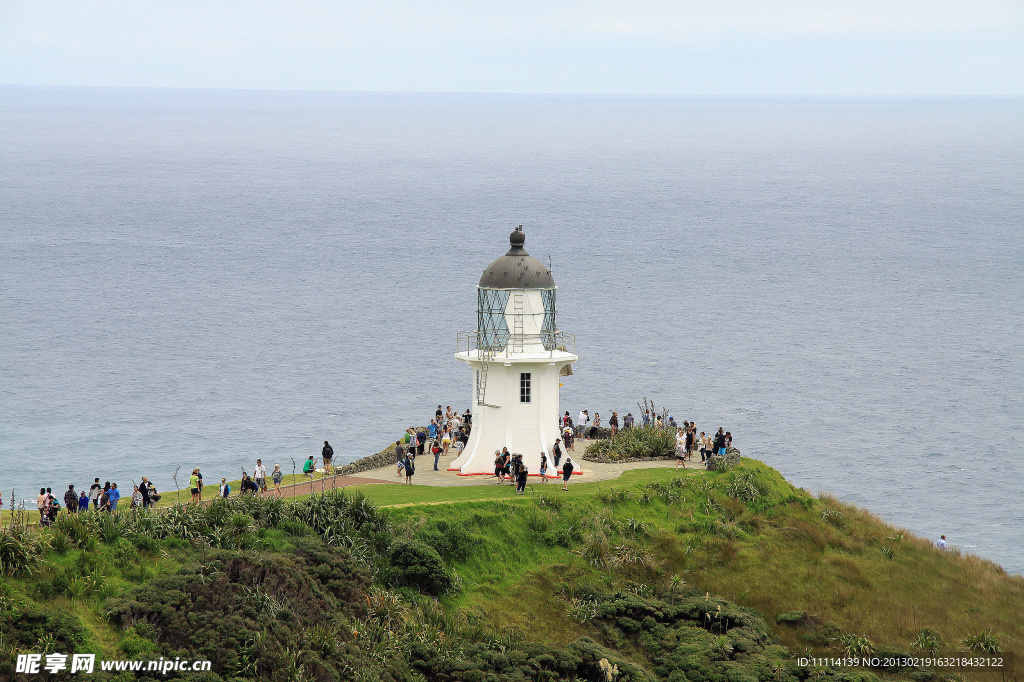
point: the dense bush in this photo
(412, 563)
(249, 614)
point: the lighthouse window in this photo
(524, 387)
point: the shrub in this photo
(633, 444)
(855, 645)
(833, 517)
(792, 618)
(414, 563)
(20, 551)
(927, 641)
(982, 643)
(747, 487)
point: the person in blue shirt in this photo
(83, 502)
(113, 496)
(432, 430)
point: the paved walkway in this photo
(425, 474)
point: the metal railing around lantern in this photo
(495, 345)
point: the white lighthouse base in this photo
(524, 421)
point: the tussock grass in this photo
(766, 545)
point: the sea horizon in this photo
(202, 277)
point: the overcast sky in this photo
(740, 47)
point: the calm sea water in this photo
(201, 278)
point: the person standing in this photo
(680, 449)
(399, 457)
(446, 440)
(499, 465)
(556, 452)
(543, 467)
(225, 489)
(147, 498)
(719, 445)
(567, 472)
(582, 424)
(327, 455)
(83, 502)
(421, 442)
(627, 421)
(596, 426)
(436, 450)
(199, 475)
(41, 503)
(193, 484)
(260, 476)
(438, 414)
(71, 499)
(277, 477)
(136, 497)
(94, 493)
(506, 465)
(521, 474)
(690, 434)
(410, 469)
(614, 423)
(113, 495)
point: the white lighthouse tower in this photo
(517, 356)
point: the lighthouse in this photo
(517, 356)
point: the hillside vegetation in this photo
(662, 575)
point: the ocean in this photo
(200, 278)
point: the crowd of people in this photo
(106, 497)
(101, 497)
(448, 430)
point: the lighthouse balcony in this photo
(501, 345)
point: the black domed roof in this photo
(517, 269)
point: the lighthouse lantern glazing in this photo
(518, 356)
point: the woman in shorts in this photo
(446, 440)
(567, 472)
(193, 484)
(277, 476)
(543, 467)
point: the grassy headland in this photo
(660, 574)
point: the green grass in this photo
(401, 495)
(777, 555)
(747, 535)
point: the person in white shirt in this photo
(680, 448)
(260, 476)
(582, 423)
(942, 542)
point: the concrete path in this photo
(425, 474)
